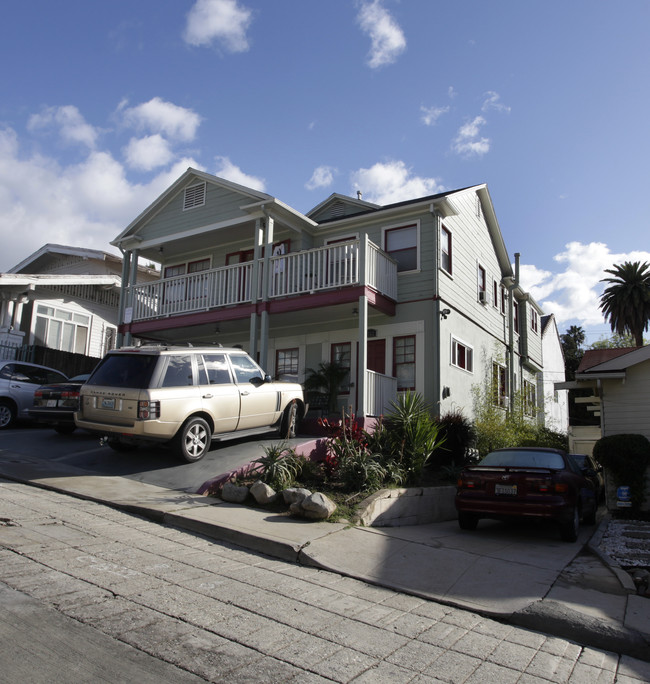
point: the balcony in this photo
(341, 265)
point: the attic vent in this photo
(194, 196)
(337, 210)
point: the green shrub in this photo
(459, 435)
(360, 471)
(408, 436)
(280, 467)
(626, 457)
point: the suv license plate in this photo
(507, 490)
(108, 404)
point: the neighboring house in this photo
(63, 298)
(620, 384)
(555, 406)
(417, 295)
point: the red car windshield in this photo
(524, 459)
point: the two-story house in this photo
(417, 295)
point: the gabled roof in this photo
(253, 195)
(50, 249)
(614, 360)
(331, 207)
(597, 357)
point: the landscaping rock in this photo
(262, 493)
(233, 493)
(317, 506)
(295, 494)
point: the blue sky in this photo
(104, 104)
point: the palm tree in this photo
(626, 301)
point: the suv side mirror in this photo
(268, 378)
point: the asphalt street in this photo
(82, 584)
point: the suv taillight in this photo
(148, 410)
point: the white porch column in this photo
(255, 284)
(362, 408)
(5, 314)
(266, 274)
(133, 279)
(126, 262)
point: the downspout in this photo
(436, 389)
(511, 334)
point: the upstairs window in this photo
(402, 244)
(495, 294)
(504, 298)
(482, 284)
(194, 196)
(445, 250)
(515, 306)
(534, 320)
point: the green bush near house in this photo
(626, 457)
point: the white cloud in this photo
(492, 101)
(322, 177)
(70, 123)
(573, 293)
(387, 38)
(86, 203)
(148, 153)
(430, 115)
(468, 141)
(385, 183)
(158, 116)
(221, 21)
(226, 169)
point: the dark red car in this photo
(526, 482)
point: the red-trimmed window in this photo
(482, 284)
(499, 385)
(534, 320)
(462, 356)
(404, 362)
(515, 306)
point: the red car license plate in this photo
(505, 490)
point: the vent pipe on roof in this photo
(359, 194)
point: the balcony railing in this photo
(324, 268)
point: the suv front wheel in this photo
(192, 441)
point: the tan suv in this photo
(184, 395)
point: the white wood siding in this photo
(626, 405)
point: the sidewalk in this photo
(564, 592)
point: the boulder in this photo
(233, 493)
(317, 506)
(262, 493)
(295, 494)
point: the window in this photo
(179, 372)
(445, 250)
(515, 306)
(504, 298)
(402, 244)
(404, 362)
(530, 401)
(534, 320)
(246, 370)
(462, 356)
(482, 284)
(499, 396)
(342, 354)
(194, 196)
(60, 329)
(216, 367)
(286, 364)
(495, 294)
